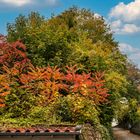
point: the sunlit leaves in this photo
(86, 85)
(51, 82)
(45, 81)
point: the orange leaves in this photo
(5, 93)
(13, 63)
(47, 73)
(54, 73)
(47, 81)
(86, 85)
(4, 88)
(25, 78)
(36, 73)
(50, 82)
(1, 103)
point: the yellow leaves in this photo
(103, 50)
(81, 107)
(116, 81)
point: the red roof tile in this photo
(42, 130)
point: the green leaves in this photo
(44, 71)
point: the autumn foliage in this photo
(67, 68)
(12, 53)
(13, 62)
(49, 82)
(86, 84)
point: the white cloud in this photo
(136, 58)
(127, 12)
(132, 53)
(130, 28)
(124, 28)
(126, 48)
(125, 18)
(116, 24)
(97, 15)
(16, 2)
(21, 3)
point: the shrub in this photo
(77, 109)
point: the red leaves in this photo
(12, 53)
(86, 85)
(47, 81)
(50, 81)
(13, 63)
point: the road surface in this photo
(121, 134)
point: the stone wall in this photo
(88, 133)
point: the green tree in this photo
(77, 36)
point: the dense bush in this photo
(77, 109)
(33, 92)
(70, 64)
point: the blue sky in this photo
(123, 16)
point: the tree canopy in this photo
(70, 63)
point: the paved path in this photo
(121, 134)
